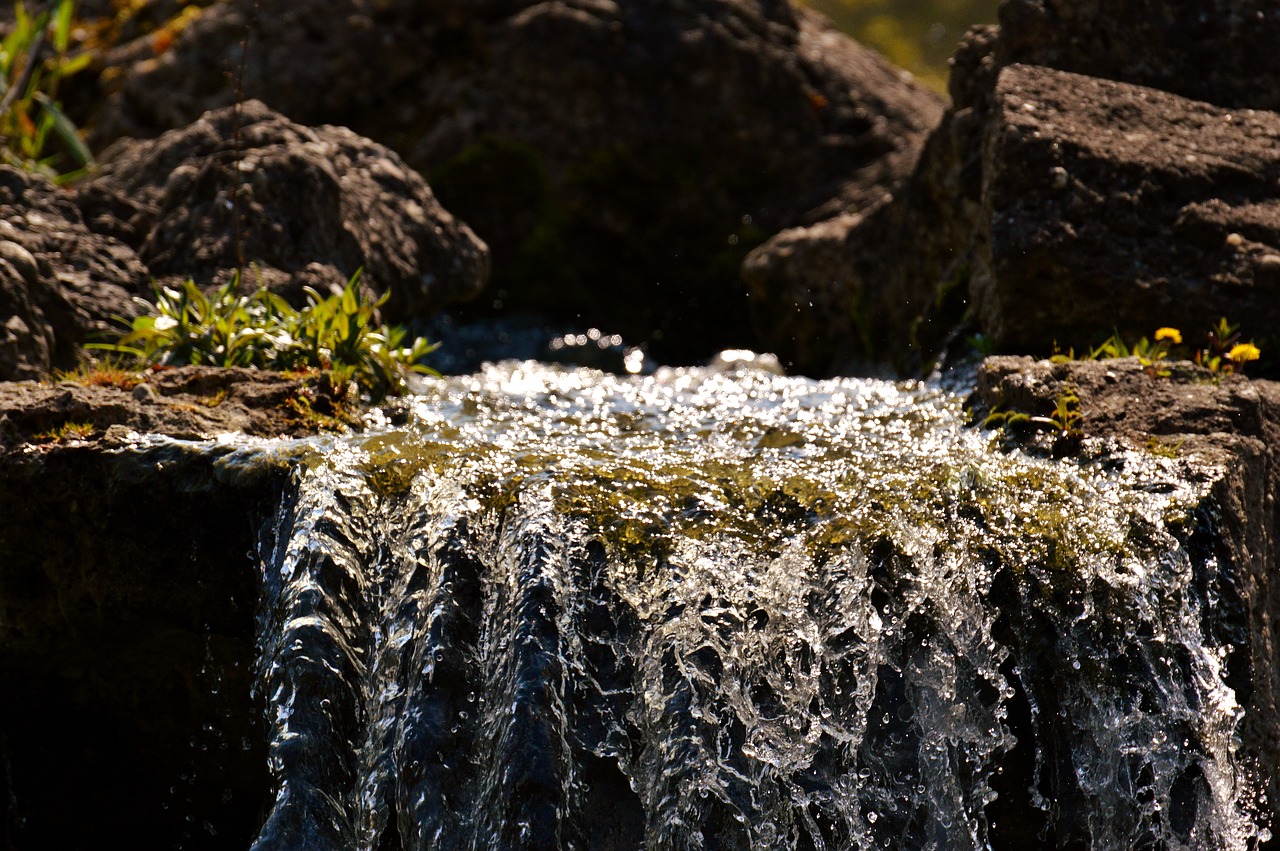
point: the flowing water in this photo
(540, 607)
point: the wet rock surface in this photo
(127, 608)
(1231, 423)
(191, 403)
(620, 159)
(245, 188)
(128, 592)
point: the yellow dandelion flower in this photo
(1173, 335)
(1242, 352)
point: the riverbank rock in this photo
(245, 188)
(59, 282)
(189, 402)
(128, 596)
(1225, 422)
(619, 158)
(1108, 206)
(906, 270)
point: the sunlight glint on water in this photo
(555, 608)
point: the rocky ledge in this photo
(128, 596)
(1226, 424)
(190, 403)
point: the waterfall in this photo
(540, 607)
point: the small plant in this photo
(35, 134)
(982, 344)
(337, 334)
(214, 399)
(1066, 419)
(108, 372)
(1160, 449)
(66, 432)
(1223, 352)
(1064, 424)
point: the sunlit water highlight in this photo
(551, 608)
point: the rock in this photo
(189, 402)
(246, 188)
(59, 283)
(875, 292)
(1226, 423)
(1220, 51)
(127, 616)
(619, 158)
(801, 302)
(1108, 206)
(128, 600)
(908, 267)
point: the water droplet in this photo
(872, 816)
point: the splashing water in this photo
(551, 608)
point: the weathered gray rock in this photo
(619, 158)
(1108, 206)
(245, 188)
(59, 282)
(1220, 51)
(907, 273)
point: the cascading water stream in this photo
(551, 608)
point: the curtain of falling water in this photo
(545, 608)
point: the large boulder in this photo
(903, 275)
(60, 283)
(619, 158)
(244, 188)
(1220, 51)
(1108, 206)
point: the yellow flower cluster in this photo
(1242, 352)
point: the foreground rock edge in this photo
(1227, 425)
(190, 403)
